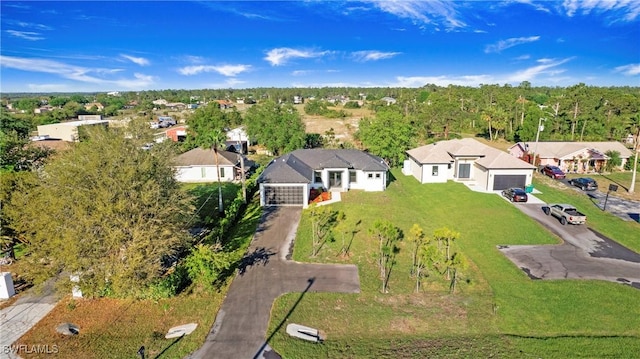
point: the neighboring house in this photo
(43, 109)
(67, 131)
(199, 165)
(224, 104)
(468, 160)
(89, 117)
(580, 157)
(288, 180)
(238, 139)
(389, 100)
(176, 134)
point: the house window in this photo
(434, 171)
(203, 172)
(370, 175)
(353, 177)
(449, 166)
(221, 172)
(317, 176)
(377, 175)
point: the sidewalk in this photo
(19, 317)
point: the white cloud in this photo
(508, 43)
(617, 10)
(419, 81)
(280, 56)
(363, 56)
(546, 67)
(225, 70)
(434, 12)
(630, 70)
(301, 72)
(27, 35)
(76, 73)
(137, 60)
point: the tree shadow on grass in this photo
(284, 320)
(170, 345)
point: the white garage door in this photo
(284, 195)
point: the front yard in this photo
(498, 312)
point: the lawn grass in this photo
(116, 328)
(500, 312)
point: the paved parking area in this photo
(240, 328)
(584, 254)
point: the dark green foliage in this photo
(107, 211)
(352, 104)
(614, 160)
(388, 135)
(278, 127)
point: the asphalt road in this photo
(584, 254)
(240, 328)
(625, 209)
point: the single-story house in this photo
(67, 131)
(199, 165)
(468, 160)
(289, 179)
(579, 157)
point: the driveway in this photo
(627, 210)
(240, 328)
(585, 254)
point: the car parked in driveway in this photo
(515, 194)
(584, 183)
(553, 171)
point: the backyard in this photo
(497, 312)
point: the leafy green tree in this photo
(388, 135)
(322, 219)
(388, 237)
(105, 210)
(457, 264)
(427, 259)
(207, 130)
(614, 160)
(416, 238)
(447, 236)
(278, 127)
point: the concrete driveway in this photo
(240, 328)
(584, 254)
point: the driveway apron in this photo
(240, 328)
(584, 254)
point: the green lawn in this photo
(498, 312)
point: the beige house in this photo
(67, 131)
(572, 157)
(199, 165)
(470, 161)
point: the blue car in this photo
(584, 183)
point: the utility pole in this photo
(535, 153)
(635, 162)
(242, 175)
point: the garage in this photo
(283, 195)
(501, 182)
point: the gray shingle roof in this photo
(298, 166)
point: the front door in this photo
(335, 179)
(464, 170)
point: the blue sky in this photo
(73, 46)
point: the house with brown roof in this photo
(199, 165)
(578, 157)
(470, 161)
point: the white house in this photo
(199, 165)
(67, 131)
(288, 180)
(468, 160)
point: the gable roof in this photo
(298, 166)
(202, 157)
(567, 149)
(447, 151)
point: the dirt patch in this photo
(343, 128)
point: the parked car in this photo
(566, 213)
(553, 171)
(515, 194)
(585, 183)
